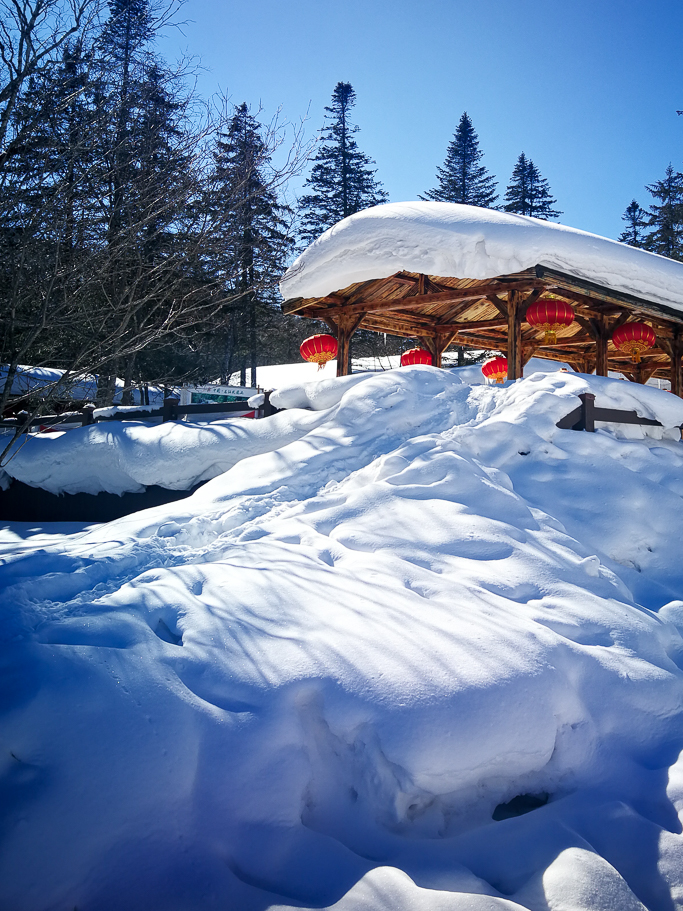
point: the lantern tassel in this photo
(550, 337)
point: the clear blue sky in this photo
(587, 88)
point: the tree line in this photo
(143, 229)
(659, 228)
(343, 179)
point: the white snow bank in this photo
(128, 456)
(448, 239)
(317, 681)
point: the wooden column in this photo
(515, 369)
(642, 372)
(602, 338)
(346, 326)
(675, 356)
(438, 344)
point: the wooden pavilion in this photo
(445, 310)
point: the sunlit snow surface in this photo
(312, 683)
(448, 239)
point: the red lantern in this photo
(415, 356)
(496, 369)
(634, 339)
(319, 349)
(549, 315)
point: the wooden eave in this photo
(472, 313)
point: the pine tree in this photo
(666, 219)
(463, 178)
(253, 235)
(342, 180)
(528, 193)
(636, 221)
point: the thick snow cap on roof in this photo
(446, 239)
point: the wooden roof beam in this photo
(377, 305)
(597, 293)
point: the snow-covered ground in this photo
(333, 676)
(127, 457)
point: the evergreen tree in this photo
(342, 180)
(463, 178)
(665, 216)
(528, 193)
(636, 222)
(253, 235)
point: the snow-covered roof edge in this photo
(447, 239)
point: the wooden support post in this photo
(87, 415)
(438, 344)
(346, 326)
(676, 351)
(643, 372)
(514, 352)
(588, 415)
(170, 409)
(528, 352)
(601, 367)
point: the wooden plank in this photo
(514, 339)
(412, 302)
(480, 324)
(598, 292)
(675, 366)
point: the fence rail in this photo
(587, 413)
(170, 411)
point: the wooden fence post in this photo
(23, 416)
(268, 409)
(87, 416)
(170, 409)
(588, 415)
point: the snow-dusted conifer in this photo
(254, 236)
(528, 193)
(342, 180)
(463, 178)
(636, 222)
(665, 216)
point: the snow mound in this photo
(448, 239)
(423, 653)
(127, 457)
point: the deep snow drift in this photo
(315, 682)
(448, 239)
(126, 457)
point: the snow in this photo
(447, 239)
(127, 457)
(311, 683)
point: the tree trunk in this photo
(252, 339)
(129, 367)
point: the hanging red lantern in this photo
(415, 356)
(319, 349)
(496, 369)
(634, 339)
(549, 315)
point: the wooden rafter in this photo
(441, 311)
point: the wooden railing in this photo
(170, 411)
(585, 416)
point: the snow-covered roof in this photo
(446, 239)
